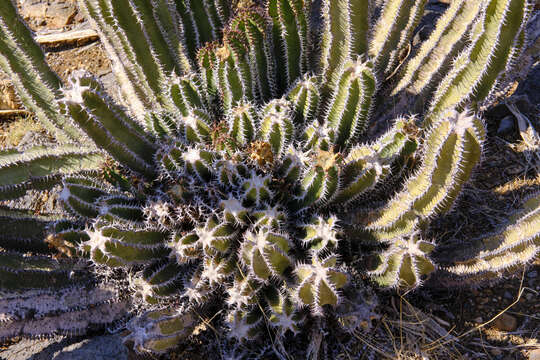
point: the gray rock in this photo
(31, 349)
(431, 14)
(98, 348)
(109, 347)
(531, 86)
(36, 349)
(533, 32)
(110, 84)
(506, 125)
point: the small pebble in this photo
(508, 295)
(478, 320)
(496, 352)
(534, 355)
(514, 170)
(506, 125)
(506, 322)
(532, 274)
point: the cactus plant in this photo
(226, 177)
(515, 244)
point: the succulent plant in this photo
(515, 244)
(226, 175)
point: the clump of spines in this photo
(319, 282)
(160, 330)
(405, 263)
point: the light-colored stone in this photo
(78, 36)
(534, 355)
(53, 14)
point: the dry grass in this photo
(11, 133)
(8, 98)
(412, 334)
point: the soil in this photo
(91, 57)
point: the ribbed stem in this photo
(476, 71)
(37, 86)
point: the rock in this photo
(431, 14)
(531, 86)
(58, 348)
(508, 295)
(506, 125)
(534, 355)
(27, 349)
(506, 322)
(437, 6)
(533, 32)
(98, 348)
(54, 14)
(426, 28)
(108, 80)
(483, 301)
(532, 274)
